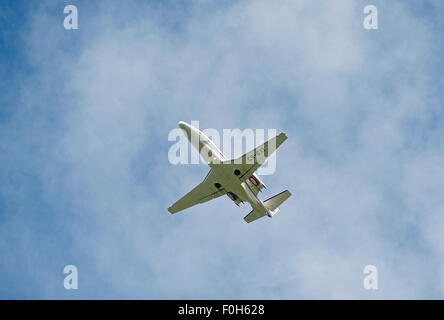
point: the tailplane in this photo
(274, 202)
(271, 205)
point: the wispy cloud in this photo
(85, 177)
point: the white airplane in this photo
(235, 178)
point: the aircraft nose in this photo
(186, 128)
(183, 125)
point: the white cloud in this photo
(342, 94)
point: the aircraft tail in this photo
(274, 202)
(272, 206)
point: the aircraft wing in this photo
(251, 161)
(203, 192)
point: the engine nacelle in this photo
(254, 182)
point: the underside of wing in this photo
(203, 192)
(251, 161)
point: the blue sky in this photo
(84, 173)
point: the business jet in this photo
(236, 177)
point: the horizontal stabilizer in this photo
(272, 205)
(274, 202)
(254, 215)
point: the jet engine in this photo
(254, 182)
